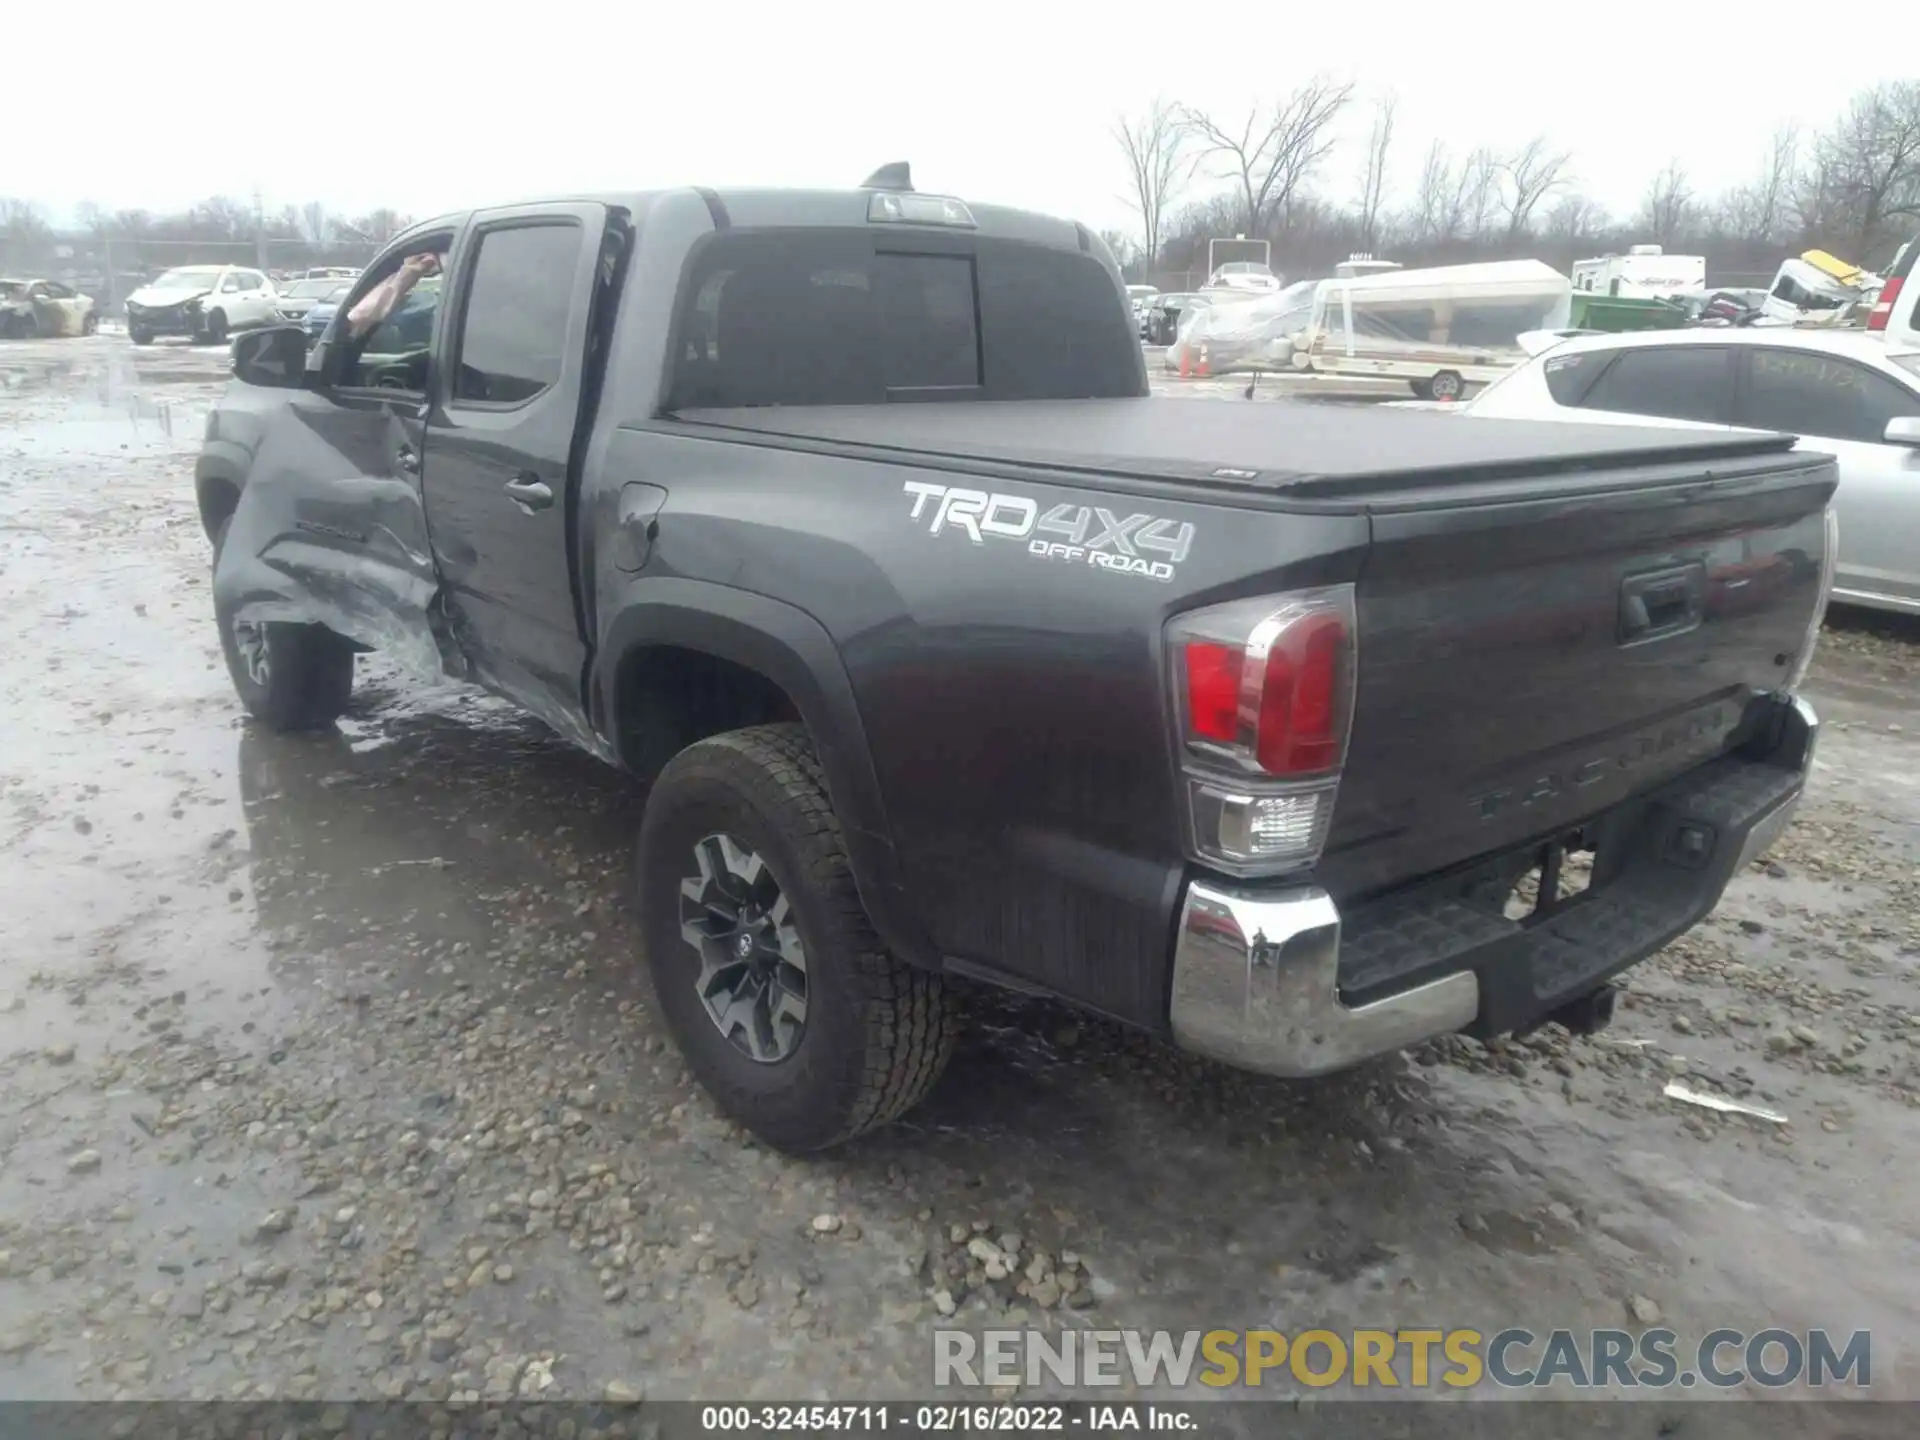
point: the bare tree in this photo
(377, 227)
(223, 218)
(1431, 218)
(1373, 187)
(1477, 192)
(1158, 165)
(1576, 217)
(21, 217)
(1868, 164)
(1773, 192)
(1532, 172)
(1667, 209)
(314, 222)
(1275, 148)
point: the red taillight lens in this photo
(1264, 693)
(1213, 691)
(1301, 727)
(1266, 683)
(1883, 307)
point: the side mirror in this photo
(275, 357)
(1903, 430)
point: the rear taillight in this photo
(1883, 307)
(1263, 695)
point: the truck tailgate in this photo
(1526, 661)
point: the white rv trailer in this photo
(1437, 329)
(1645, 272)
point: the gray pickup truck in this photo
(1293, 734)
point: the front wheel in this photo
(784, 1001)
(139, 336)
(1445, 386)
(290, 677)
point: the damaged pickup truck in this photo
(845, 519)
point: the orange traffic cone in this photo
(1202, 369)
(1186, 370)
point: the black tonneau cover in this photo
(1297, 448)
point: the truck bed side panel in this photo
(1014, 703)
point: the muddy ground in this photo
(328, 1069)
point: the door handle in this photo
(1667, 602)
(529, 493)
(409, 460)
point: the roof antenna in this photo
(894, 176)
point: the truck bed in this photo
(1318, 456)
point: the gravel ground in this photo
(328, 1071)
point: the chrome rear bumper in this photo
(1256, 984)
(1256, 972)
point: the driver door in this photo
(354, 521)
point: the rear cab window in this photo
(828, 316)
(1674, 382)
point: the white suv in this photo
(202, 301)
(1845, 393)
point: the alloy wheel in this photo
(752, 980)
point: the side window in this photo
(252, 280)
(1677, 382)
(1568, 376)
(230, 283)
(513, 338)
(392, 353)
(1803, 392)
(53, 290)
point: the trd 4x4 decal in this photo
(1086, 534)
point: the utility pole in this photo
(259, 229)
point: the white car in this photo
(206, 302)
(1851, 395)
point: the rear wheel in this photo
(290, 677)
(139, 336)
(784, 1001)
(1445, 386)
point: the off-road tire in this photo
(309, 675)
(878, 1031)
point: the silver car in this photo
(1848, 394)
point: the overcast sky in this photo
(435, 107)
